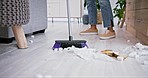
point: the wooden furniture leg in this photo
(20, 37)
(123, 20)
(118, 22)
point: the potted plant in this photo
(119, 10)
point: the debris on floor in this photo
(84, 53)
(137, 50)
(93, 54)
(115, 55)
(140, 53)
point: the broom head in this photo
(67, 43)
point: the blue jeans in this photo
(105, 9)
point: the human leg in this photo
(106, 13)
(107, 19)
(92, 13)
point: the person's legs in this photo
(107, 19)
(92, 13)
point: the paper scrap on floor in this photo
(114, 54)
(110, 55)
(137, 50)
(140, 53)
(89, 54)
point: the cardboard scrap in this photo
(115, 55)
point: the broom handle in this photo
(69, 26)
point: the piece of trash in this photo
(120, 58)
(137, 56)
(137, 51)
(83, 53)
(143, 53)
(110, 53)
(30, 41)
(133, 54)
(128, 41)
(86, 54)
(32, 36)
(66, 49)
(115, 54)
(141, 47)
(60, 49)
(56, 49)
(103, 57)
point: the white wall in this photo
(111, 1)
(113, 4)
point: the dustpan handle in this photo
(69, 26)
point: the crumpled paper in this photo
(89, 54)
(141, 47)
(84, 53)
(137, 50)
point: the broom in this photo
(69, 43)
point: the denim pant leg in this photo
(92, 12)
(106, 12)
